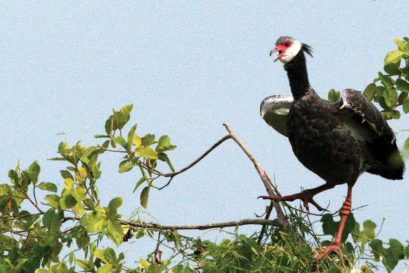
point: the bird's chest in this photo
(311, 124)
(320, 142)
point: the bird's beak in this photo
(273, 51)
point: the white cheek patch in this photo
(291, 52)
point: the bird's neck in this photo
(298, 75)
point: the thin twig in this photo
(214, 146)
(263, 228)
(33, 203)
(282, 219)
(167, 184)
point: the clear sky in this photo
(188, 67)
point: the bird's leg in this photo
(306, 196)
(344, 213)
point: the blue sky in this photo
(188, 67)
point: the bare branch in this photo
(201, 227)
(264, 177)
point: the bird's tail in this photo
(391, 167)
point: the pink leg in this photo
(344, 213)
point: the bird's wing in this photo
(274, 111)
(367, 124)
(362, 117)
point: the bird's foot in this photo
(334, 248)
(305, 196)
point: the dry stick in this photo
(201, 227)
(282, 220)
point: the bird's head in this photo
(288, 47)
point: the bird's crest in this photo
(307, 49)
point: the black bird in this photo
(337, 141)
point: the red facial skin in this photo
(281, 48)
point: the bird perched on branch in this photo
(337, 141)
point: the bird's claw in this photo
(265, 197)
(334, 248)
(304, 196)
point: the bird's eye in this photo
(287, 44)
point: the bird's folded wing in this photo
(359, 113)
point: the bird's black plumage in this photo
(338, 141)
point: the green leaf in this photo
(66, 174)
(401, 44)
(164, 157)
(393, 57)
(333, 95)
(391, 114)
(52, 221)
(368, 234)
(67, 201)
(82, 239)
(385, 79)
(115, 232)
(377, 248)
(110, 256)
(63, 149)
(99, 253)
(106, 268)
(136, 140)
(131, 134)
(393, 254)
(148, 140)
(405, 105)
(144, 196)
(402, 85)
(406, 145)
(369, 91)
(391, 97)
(402, 97)
(34, 171)
(47, 186)
(146, 152)
(101, 136)
(122, 116)
(127, 109)
(94, 221)
(4, 188)
(125, 166)
(109, 125)
(392, 69)
(86, 265)
(121, 141)
(52, 200)
(329, 226)
(114, 204)
(164, 144)
(140, 182)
